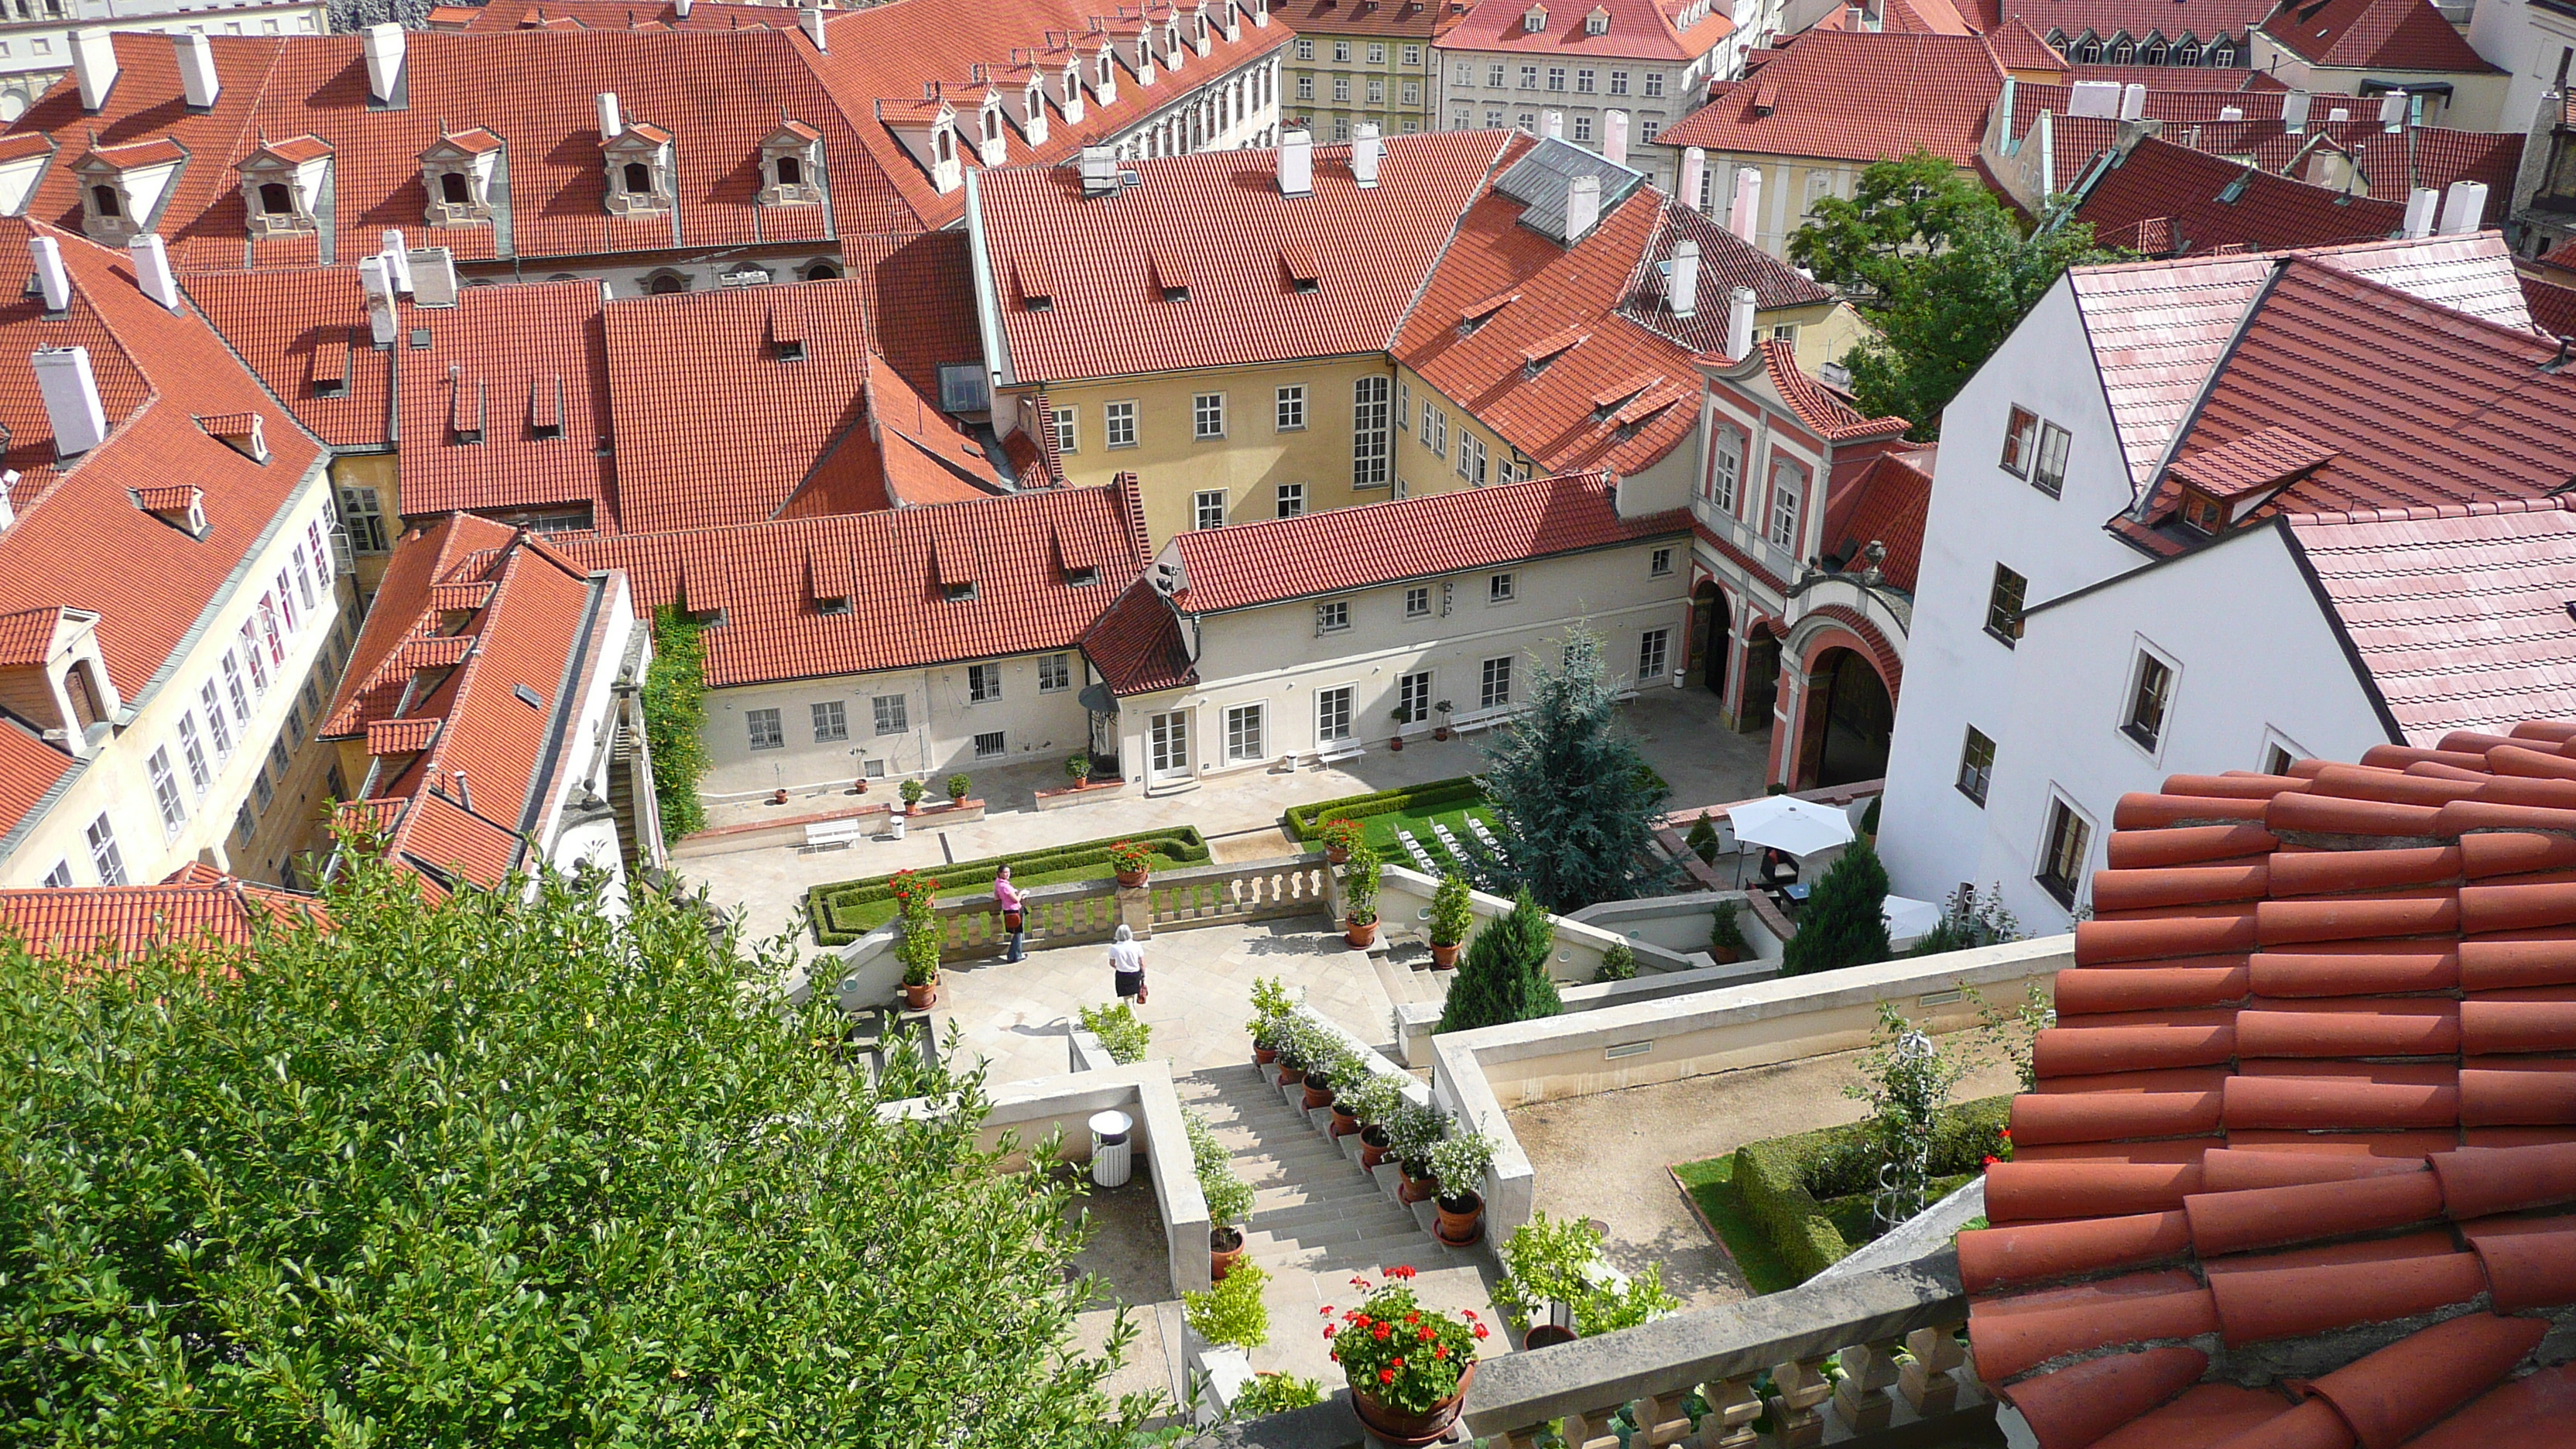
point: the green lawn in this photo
(1711, 1185)
(1382, 828)
(842, 911)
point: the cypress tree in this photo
(1504, 974)
(1577, 800)
(1845, 922)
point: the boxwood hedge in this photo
(843, 911)
(1795, 1186)
(1305, 822)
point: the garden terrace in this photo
(844, 911)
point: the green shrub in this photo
(1306, 822)
(1845, 921)
(1703, 840)
(1360, 883)
(1270, 1393)
(675, 716)
(1790, 1185)
(1504, 976)
(1232, 1311)
(1558, 1260)
(1619, 963)
(1724, 935)
(1452, 915)
(958, 785)
(1122, 1033)
(843, 911)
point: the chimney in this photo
(152, 269)
(1694, 175)
(682, 6)
(380, 300)
(1551, 124)
(2420, 205)
(1614, 137)
(433, 275)
(2464, 210)
(8, 513)
(50, 275)
(2392, 110)
(1742, 217)
(94, 64)
(2339, 114)
(1099, 171)
(1739, 323)
(2294, 111)
(1366, 152)
(610, 127)
(384, 47)
(1582, 206)
(2231, 113)
(812, 20)
(397, 260)
(464, 796)
(71, 399)
(197, 71)
(1682, 290)
(1297, 163)
(2133, 103)
(2099, 99)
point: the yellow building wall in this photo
(1428, 470)
(1393, 113)
(377, 474)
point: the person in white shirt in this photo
(1127, 963)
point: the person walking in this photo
(1014, 919)
(1127, 962)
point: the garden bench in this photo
(1337, 754)
(1487, 836)
(1481, 719)
(835, 832)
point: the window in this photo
(1583, 127)
(1435, 430)
(1305, 83)
(1369, 432)
(1618, 82)
(1055, 673)
(1583, 82)
(1413, 697)
(1305, 49)
(364, 517)
(1529, 77)
(1497, 690)
(303, 577)
(764, 729)
(1290, 409)
(1377, 90)
(831, 722)
(1417, 602)
(990, 744)
(199, 777)
(2201, 513)
(240, 701)
(1726, 465)
(1786, 485)
(1460, 120)
(1596, 23)
(2062, 852)
(1068, 430)
(889, 709)
(1377, 52)
(263, 788)
(1333, 714)
(1332, 616)
(1243, 732)
(1648, 127)
(1292, 499)
(2149, 698)
(1976, 766)
(1403, 405)
(2021, 433)
(165, 792)
(1413, 55)
(250, 654)
(1654, 83)
(1118, 424)
(1499, 589)
(103, 854)
(60, 877)
(2048, 475)
(983, 683)
(285, 605)
(1494, 77)
(1556, 77)
(1659, 564)
(1654, 650)
(2003, 605)
(1342, 51)
(1207, 415)
(1208, 509)
(1464, 73)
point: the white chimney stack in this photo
(2097, 99)
(1694, 175)
(1582, 206)
(197, 71)
(1551, 124)
(1297, 163)
(1682, 291)
(2420, 206)
(812, 20)
(1366, 151)
(50, 275)
(2392, 110)
(683, 7)
(433, 274)
(2464, 210)
(71, 399)
(2133, 103)
(2294, 111)
(8, 514)
(94, 65)
(397, 260)
(384, 48)
(1614, 137)
(1739, 323)
(610, 126)
(152, 269)
(380, 300)
(1744, 214)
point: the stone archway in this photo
(1761, 693)
(1848, 717)
(1712, 631)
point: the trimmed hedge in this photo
(1305, 822)
(843, 911)
(1793, 1186)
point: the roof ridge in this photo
(2479, 508)
(1431, 269)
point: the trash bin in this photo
(895, 826)
(1113, 1157)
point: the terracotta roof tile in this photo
(1853, 95)
(2211, 203)
(197, 905)
(1638, 30)
(1137, 645)
(2406, 35)
(1395, 19)
(27, 636)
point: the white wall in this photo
(2522, 37)
(939, 739)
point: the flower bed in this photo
(843, 911)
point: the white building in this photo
(1610, 75)
(2143, 412)
(36, 36)
(2534, 40)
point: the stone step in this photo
(1292, 1219)
(1355, 1188)
(1362, 1255)
(1325, 1234)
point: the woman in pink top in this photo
(1007, 896)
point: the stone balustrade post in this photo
(1800, 1390)
(1660, 1421)
(1594, 1429)
(1927, 1383)
(1136, 909)
(1861, 1398)
(1732, 1408)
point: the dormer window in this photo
(639, 170)
(464, 406)
(122, 187)
(283, 186)
(2201, 513)
(637, 178)
(957, 593)
(789, 173)
(276, 200)
(1077, 578)
(181, 506)
(241, 432)
(1534, 19)
(455, 190)
(103, 203)
(1598, 22)
(545, 409)
(461, 172)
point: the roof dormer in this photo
(463, 173)
(123, 187)
(1064, 87)
(54, 677)
(1598, 22)
(791, 171)
(180, 505)
(1104, 73)
(1175, 50)
(286, 186)
(2221, 487)
(1534, 20)
(992, 147)
(637, 155)
(928, 129)
(1140, 53)
(1202, 31)
(244, 433)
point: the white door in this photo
(1169, 745)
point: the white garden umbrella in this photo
(1785, 822)
(1909, 919)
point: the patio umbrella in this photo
(1909, 919)
(1784, 822)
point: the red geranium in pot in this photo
(1408, 1366)
(1132, 859)
(1339, 835)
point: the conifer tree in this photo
(1845, 922)
(1575, 797)
(1504, 976)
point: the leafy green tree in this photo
(484, 1172)
(1503, 976)
(675, 715)
(1577, 800)
(1941, 268)
(1845, 920)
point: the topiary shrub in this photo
(1504, 975)
(674, 696)
(1845, 920)
(1619, 963)
(1305, 822)
(1703, 840)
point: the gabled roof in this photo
(516, 356)
(2553, 306)
(117, 923)
(1137, 644)
(1391, 19)
(2399, 35)
(2261, 459)
(2305, 1096)
(2201, 203)
(2209, 20)
(1403, 538)
(1638, 30)
(1853, 95)
(1883, 498)
(2019, 48)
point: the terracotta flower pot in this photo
(1335, 855)
(1345, 1120)
(1445, 958)
(1547, 1335)
(1723, 958)
(1225, 1249)
(1263, 1056)
(1418, 1189)
(1440, 733)
(1396, 743)
(1319, 1092)
(922, 997)
(1462, 1219)
(777, 797)
(1290, 1076)
(1360, 937)
(1374, 1148)
(1082, 782)
(1131, 877)
(1410, 1430)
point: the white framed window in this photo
(890, 714)
(1976, 766)
(1494, 77)
(1207, 416)
(1332, 616)
(1787, 486)
(2150, 704)
(1369, 432)
(60, 877)
(1725, 469)
(1654, 650)
(250, 656)
(1618, 82)
(1207, 509)
(1305, 85)
(1654, 84)
(1342, 95)
(194, 752)
(2066, 841)
(990, 744)
(1529, 77)
(1403, 405)
(165, 792)
(104, 857)
(1583, 126)
(303, 577)
(1583, 81)
(762, 727)
(1413, 55)
(1477, 476)
(364, 518)
(1435, 430)
(1497, 690)
(1377, 52)
(1055, 673)
(1118, 424)
(1290, 408)
(1501, 589)
(1068, 429)
(1342, 51)
(217, 727)
(1417, 602)
(1556, 77)
(1292, 499)
(1413, 697)
(1333, 714)
(983, 683)
(1464, 73)
(1659, 564)
(1305, 49)
(831, 721)
(2280, 752)
(2048, 473)
(2003, 605)
(2021, 433)
(1243, 733)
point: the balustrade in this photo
(1069, 915)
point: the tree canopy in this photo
(480, 1172)
(1941, 268)
(1504, 974)
(1845, 919)
(1578, 798)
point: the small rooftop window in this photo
(527, 696)
(958, 593)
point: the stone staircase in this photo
(1313, 1209)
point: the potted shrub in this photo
(1077, 768)
(1417, 1128)
(1359, 894)
(958, 785)
(1329, 1065)
(1408, 1366)
(912, 793)
(1619, 963)
(1339, 835)
(1275, 1393)
(1298, 1043)
(1271, 1006)
(1459, 1165)
(915, 897)
(1725, 939)
(1371, 1102)
(1231, 1314)
(1451, 921)
(778, 796)
(1133, 860)
(1229, 1197)
(1403, 717)
(1440, 728)
(1556, 1287)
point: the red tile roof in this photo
(1024, 549)
(1856, 96)
(1638, 30)
(2179, 77)
(2208, 20)
(2310, 1011)
(513, 357)
(1884, 499)
(27, 636)
(1726, 261)
(919, 301)
(2553, 305)
(1402, 538)
(117, 923)
(2404, 35)
(1394, 19)
(2018, 47)
(1222, 216)
(2157, 329)
(2260, 459)
(2208, 203)
(1137, 644)
(1818, 406)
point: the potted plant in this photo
(1459, 1165)
(915, 898)
(1403, 717)
(859, 786)
(1619, 963)
(1330, 1065)
(1229, 1197)
(778, 796)
(1371, 1101)
(1339, 835)
(1232, 1313)
(1133, 860)
(1297, 1043)
(958, 785)
(1408, 1366)
(1440, 729)
(1271, 1007)
(1416, 1129)
(1725, 938)
(1451, 921)
(1359, 892)
(1077, 768)
(912, 793)
(1556, 1287)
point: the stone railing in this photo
(1175, 900)
(1404, 907)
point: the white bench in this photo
(1337, 754)
(1482, 719)
(836, 832)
